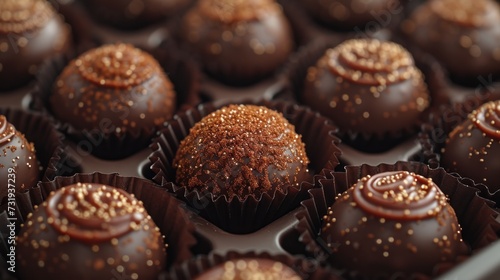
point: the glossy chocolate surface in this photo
(463, 35)
(241, 150)
(115, 89)
(248, 269)
(238, 42)
(30, 31)
(348, 14)
(18, 162)
(90, 231)
(367, 86)
(130, 14)
(472, 148)
(392, 222)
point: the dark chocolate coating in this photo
(392, 222)
(129, 14)
(352, 14)
(113, 89)
(30, 32)
(18, 162)
(247, 269)
(472, 148)
(238, 42)
(463, 35)
(90, 231)
(367, 86)
(241, 150)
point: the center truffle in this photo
(241, 150)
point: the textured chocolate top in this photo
(94, 213)
(250, 269)
(118, 66)
(18, 16)
(479, 13)
(232, 11)
(371, 62)
(399, 195)
(241, 150)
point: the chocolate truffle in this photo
(392, 222)
(367, 86)
(472, 148)
(90, 231)
(113, 89)
(128, 14)
(463, 35)
(351, 14)
(248, 269)
(30, 32)
(238, 41)
(241, 150)
(19, 168)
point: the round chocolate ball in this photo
(113, 89)
(238, 41)
(241, 150)
(129, 14)
(463, 35)
(19, 168)
(90, 231)
(352, 14)
(367, 86)
(472, 148)
(247, 269)
(392, 222)
(30, 32)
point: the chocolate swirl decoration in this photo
(371, 62)
(117, 66)
(7, 130)
(467, 13)
(487, 118)
(399, 195)
(94, 213)
(18, 16)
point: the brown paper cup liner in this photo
(475, 214)
(181, 71)
(49, 146)
(167, 212)
(295, 76)
(234, 214)
(440, 124)
(305, 268)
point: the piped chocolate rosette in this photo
(367, 86)
(93, 230)
(391, 222)
(18, 161)
(472, 147)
